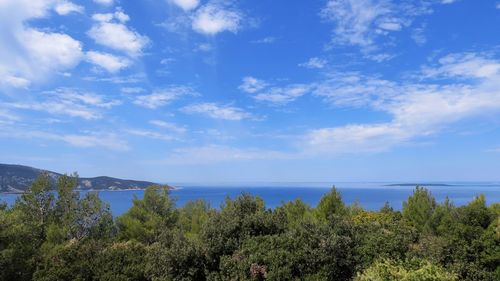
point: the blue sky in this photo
(225, 91)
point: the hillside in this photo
(17, 178)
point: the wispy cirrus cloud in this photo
(453, 88)
(265, 40)
(366, 23)
(132, 90)
(169, 126)
(163, 97)
(212, 153)
(315, 62)
(263, 91)
(7, 117)
(282, 95)
(83, 140)
(417, 109)
(126, 79)
(251, 84)
(463, 65)
(150, 134)
(217, 111)
(418, 35)
(69, 102)
(93, 140)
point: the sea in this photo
(370, 195)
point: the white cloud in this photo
(391, 25)
(418, 35)
(282, 95)
(66, 7)
(498, 5)
(121, 16)
(178, 23)
(314, 63)
(163, 97)
(215, 111)
(214, 18)
(108, 62)
(108, 141)
(209, 154)
(7, 117)
(103, 17)
(150, 134)
(28, 54)
(356, 20)
(379, 57)
(104, 2)
(186, 5)
(110, 30)
(55, 49)
(265, 40)
(169, 126)
(132, 90)
(129, 79)
(252, 85)
(417, 109)
(16, 82)
(355, 138)
(355, 90)
(467, 65)
(69, 102)
(365, 23)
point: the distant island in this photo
(18, 178)
(418, 184)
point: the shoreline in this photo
(91, 190)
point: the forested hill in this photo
(17, 178)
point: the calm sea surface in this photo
(371, 196)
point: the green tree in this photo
(22, 230)
(470, 242)
(148, 216)
(296, 213)
(93, 219)
(122, 261)
(381, 235)
(71, 260)
(330, 204)
(37, 203)
(238, 219)
(412, 270)
(65, 209)
(419, 208)
(308, 252)
(193, 216)
(175, 258)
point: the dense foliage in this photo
(67, 237)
